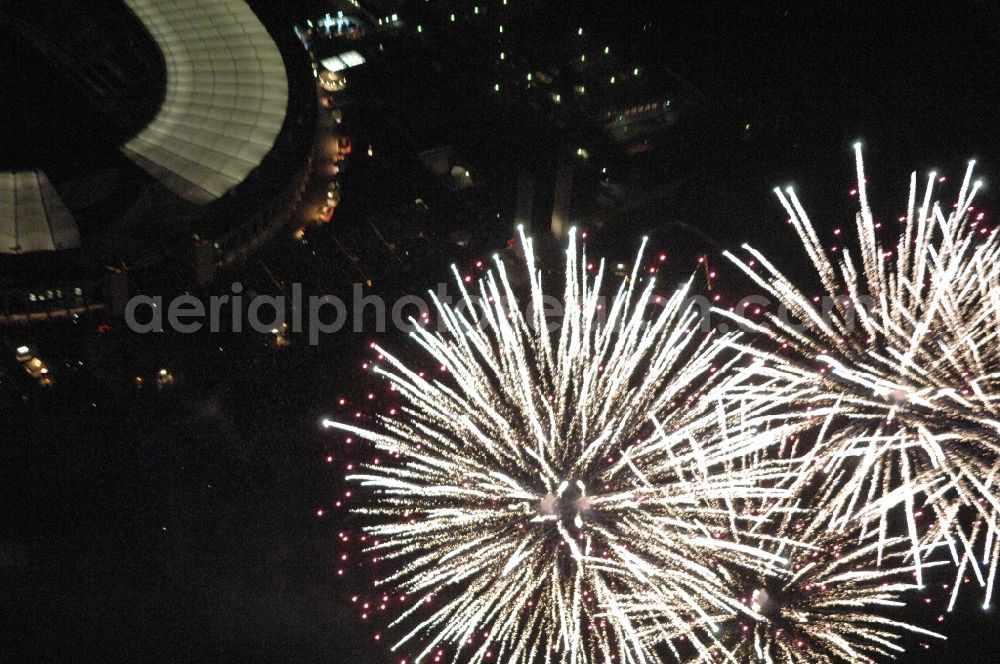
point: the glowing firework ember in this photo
(548, 474)
(905, 348)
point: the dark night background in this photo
(181, 525)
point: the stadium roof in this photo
(32, 216)
(225, 99)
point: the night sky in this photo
(181, 525)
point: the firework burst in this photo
(552, 471)
(822, 598)
(904, 352)
(827, 605)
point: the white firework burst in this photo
(905, 351)
(828, 605)
(822, 598)
(552, 471)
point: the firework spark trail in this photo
(546, 457)
(908, 354)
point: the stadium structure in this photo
(145, 138)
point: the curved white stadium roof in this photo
(225, 101)
(32, 216)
